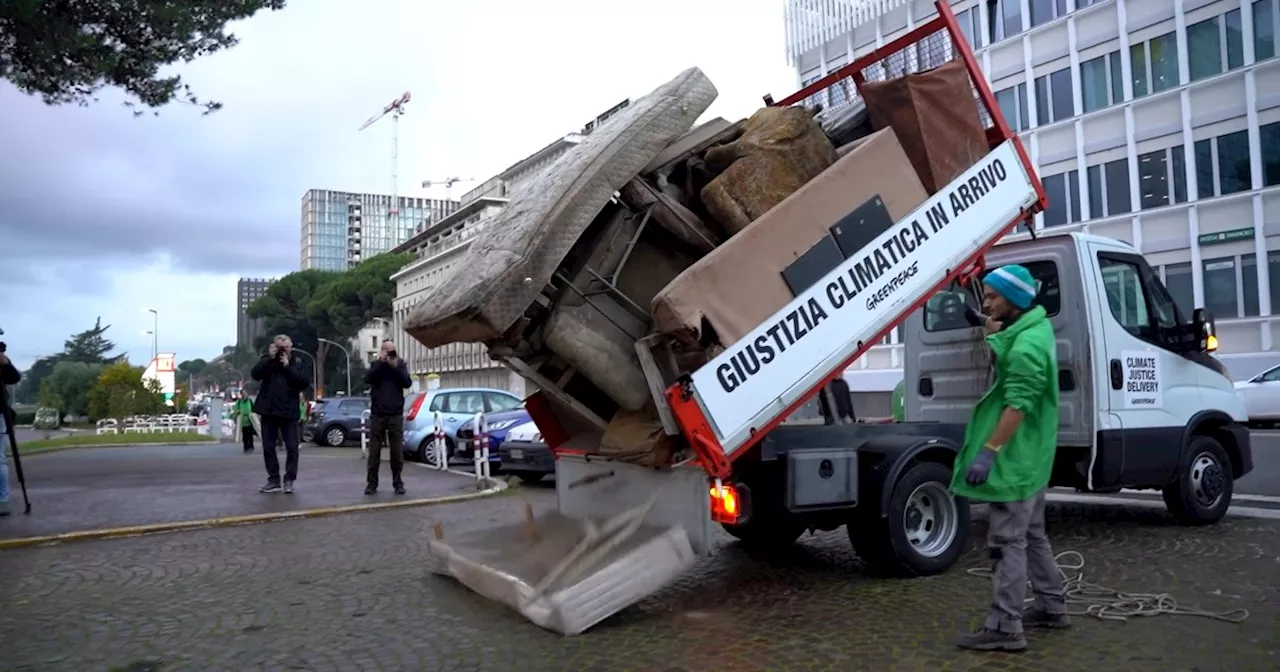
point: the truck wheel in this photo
(1202, 492)
(926, 529)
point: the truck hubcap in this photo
(930, 519)
(1207, 480)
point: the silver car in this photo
(455, 405)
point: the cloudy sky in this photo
(104, 214)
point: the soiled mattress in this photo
(510, 262)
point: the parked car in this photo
(497, 424)
(456, 405)
(1261, 397)
(524, 455)
(335, 420)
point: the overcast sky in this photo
(105, 214)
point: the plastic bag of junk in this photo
(566, 574)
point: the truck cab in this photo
(1144, 405)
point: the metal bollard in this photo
(480, 450)
(364, 434)
(442, 448)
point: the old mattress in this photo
(740, 284)
(509, 263)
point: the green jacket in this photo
(897, 405)
(242, 410)
(1026, 368)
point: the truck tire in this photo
(1202, 492)
(926, 529)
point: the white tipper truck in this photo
(1143, 403)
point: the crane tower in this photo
(448, 183)
(395, 109)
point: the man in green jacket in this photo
(242, 414)
(1007, 460)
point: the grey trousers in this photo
(1020, 551)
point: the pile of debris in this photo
(652, 245)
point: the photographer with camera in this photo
(387, 378)
(9, 375)
(281, 380)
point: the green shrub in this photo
(24, 417)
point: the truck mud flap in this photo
(566, 574)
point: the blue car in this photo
(498, 424)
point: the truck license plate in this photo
(517, 454)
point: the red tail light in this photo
(417, 406)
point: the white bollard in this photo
(442, 448)
(480, 450)
(364, 433)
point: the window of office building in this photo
(1109, 189)
(1270, 141)
(1265, 13)
(1155, 64)
(1044, 11)
(1013, 105)
(1204, 169)
(1063, 191)
(1101, 82)
(970, 25)
(1220, 287)
(1053, 97)
(1004, 18)
(1234, 173)
(1215, 45)
(1177, 279)
(1273, 271)
(1249, 284)
(1178, 165)
(1153, 179)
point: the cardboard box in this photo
(740, 284)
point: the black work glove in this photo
(973, 318)
(980, 467)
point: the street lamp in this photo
(155, 333)
(347, 354)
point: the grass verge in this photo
(89, 440)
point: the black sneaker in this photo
(288, 487)
(399, 488)
(992, 640)
(370, 489)
(1035, 617)
(271, 486)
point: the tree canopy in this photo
(310, 305)
(89, 347)
(65, 51)
(120, 392)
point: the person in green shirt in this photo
(1007, 459)
(242, 415)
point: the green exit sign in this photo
(1226, 236)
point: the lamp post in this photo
(345, 353)
(155, 333)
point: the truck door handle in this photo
(1117, 375)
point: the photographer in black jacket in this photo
(387, 378)
(280, 379)
(9, 375)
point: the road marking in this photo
(1267, 499)
(1242, 511)
(496, 486)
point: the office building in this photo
(340, 229)
(247, 291)
(1156, 122)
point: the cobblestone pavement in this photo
(94, 488)
(350, 593)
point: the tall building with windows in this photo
(1156, 122)
(340, 229)
(247, 291)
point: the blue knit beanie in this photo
(1013, 282)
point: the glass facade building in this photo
(340, 229)
(1156, 122)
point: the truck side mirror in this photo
(1205, 330)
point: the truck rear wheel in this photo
(926, 529)
(1202, 492)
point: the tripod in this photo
(17, 459)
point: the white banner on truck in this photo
(754, 379)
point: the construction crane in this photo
(395, 109)
(448, 183)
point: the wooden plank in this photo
(548, 387)
(653, 377)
